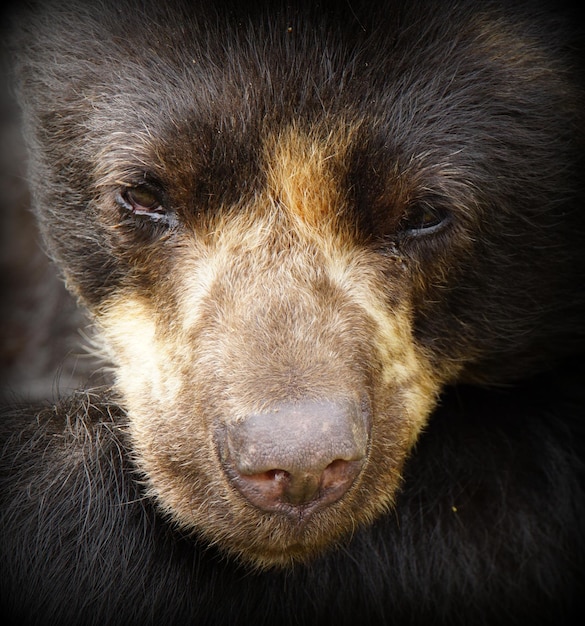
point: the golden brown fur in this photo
(273, 301)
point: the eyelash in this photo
(423, 219)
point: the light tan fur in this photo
(273, 302)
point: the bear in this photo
(334, 255)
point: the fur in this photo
(378, 204)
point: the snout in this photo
(298, 457)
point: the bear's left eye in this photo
(144, 200)
(423, 218)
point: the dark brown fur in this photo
(368, 204)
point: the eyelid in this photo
(413, 227)
(156, 213)
(442, 220)
(152, 198)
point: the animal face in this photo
(293, 230)
(271, 375)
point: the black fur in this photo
(489, 525)
(487, 530)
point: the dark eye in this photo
(144, 200)
(423, 218)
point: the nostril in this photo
(338, 473)
(269, 477)
(275, 475)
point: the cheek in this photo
(147, 371)
(407, 379)
(156, 379)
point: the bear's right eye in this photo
(145, 201)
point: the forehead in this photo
(216, 73)
(226, 101)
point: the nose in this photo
(304, 454)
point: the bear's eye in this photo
(423, 218)
(144, 200)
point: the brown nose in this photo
(298, 454)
